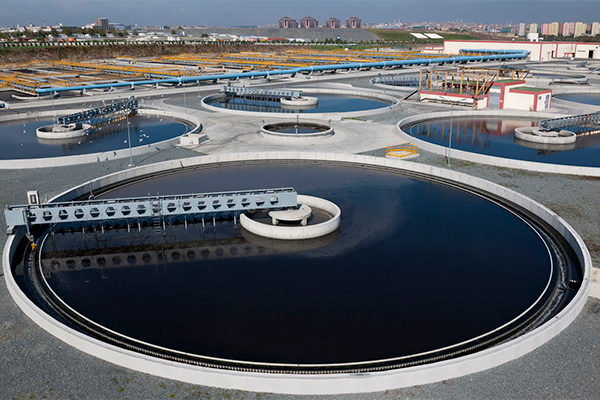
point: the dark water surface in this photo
(495, 137)
(590, 98)
(416, 266)
(19, 141)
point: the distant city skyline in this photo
(267, 12)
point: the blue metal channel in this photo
(494, 55)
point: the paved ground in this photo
(35, 365)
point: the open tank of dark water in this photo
(495, 137)
(328, 103)
(415, 266)
(19, 141)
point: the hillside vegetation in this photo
(82, 53)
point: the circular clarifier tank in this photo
(19, 140)
(418, 271)
(297, 129)
(326, 103)
(495, 136)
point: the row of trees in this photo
(41, 35)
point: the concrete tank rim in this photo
(327, 383)
(392, 101)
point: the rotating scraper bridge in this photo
(157, 208)
(269, 68)
(126, 106)
(580, 124)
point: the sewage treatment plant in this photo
(302, 221)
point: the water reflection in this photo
(495, 137)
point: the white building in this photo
(580, 28)
(533, 28)
(568, 28)
(538, 51)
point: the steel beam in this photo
(149, 207)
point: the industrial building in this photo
(482, 88)
(539, 51)
(514, 94)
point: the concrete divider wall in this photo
(487, 159)
(94, 157)
(395, 103)
(319, 383)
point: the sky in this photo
(263, 12)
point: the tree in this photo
(173, 32)
(124, 33)
(68, 31)
(134, 32)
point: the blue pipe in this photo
(492, 56)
